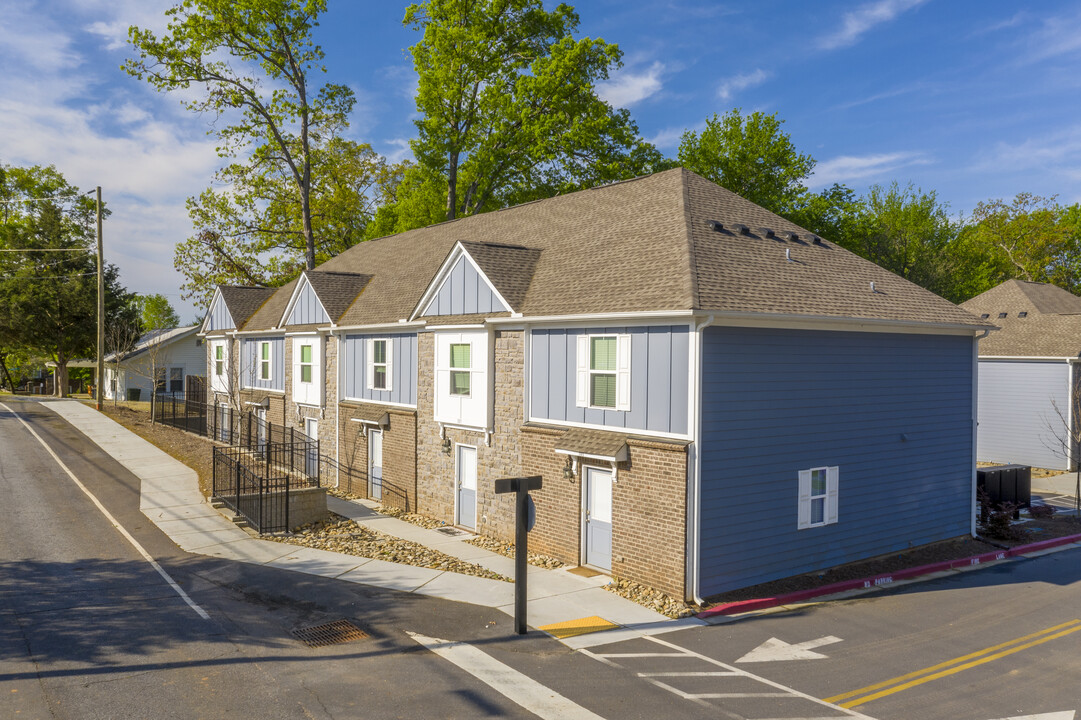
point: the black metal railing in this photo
(256, 483)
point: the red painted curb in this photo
(742, 606)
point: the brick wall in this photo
(500, 458)
(399, 456)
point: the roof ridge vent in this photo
(741, 229)
(767, 232)
(790, 236)
(715, 225)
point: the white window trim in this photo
(585, 372)
(831, 497)
(308, 393)
(467, 370)
(269, 361)
(369, 361)
(474, 410)
(219, 382)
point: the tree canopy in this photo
(156, 312)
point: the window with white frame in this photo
(461, 379)
(307, 370)
(818, 493)
(379, 352)
(219, 360)
(264, 360)
(219, 355)
(604, 372)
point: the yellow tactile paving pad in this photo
(582, 626)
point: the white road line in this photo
(689, 674)
(522, 689)
(637, 655)
(135, 543)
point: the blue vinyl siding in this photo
(659, 376)
(464, 292)
(403, 378)
(775, 402)
(250, 368)
(308, 309)
(218, 318)
(1019, 422)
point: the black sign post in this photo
(524, 517)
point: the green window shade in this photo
(264, 351)
(264, 370)
(459, 356)
(602, 354)
(219, 367)
(306, 373)
(305, 353)
(379, 377)
(602, 391)
(379, 351)
(219, 353)
(459, 382)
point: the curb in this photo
(742, 606)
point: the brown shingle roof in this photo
(337, 290)
(639, 245)
(1051, 326)
(243, 302)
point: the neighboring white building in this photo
(175, 353)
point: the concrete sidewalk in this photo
(1056, 485)
(170, 497)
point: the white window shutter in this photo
(582, 384)
(390, 365)
(623, 372)
(832, 478)
(369, 362)
(804, 516)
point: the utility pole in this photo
(101, 311)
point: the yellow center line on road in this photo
(951, 667)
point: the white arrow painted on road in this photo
(1067, 715)
(774, 649)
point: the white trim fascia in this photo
(527, 373)
(456, 252)
(379, 328)
(248, 334)
(1071, 393)
(693, 560)
(387, 403)
(975, 428)
(272, 391)
(466, 428)
(1027, 358)
(643, 318)
(296, 295)
(622, 457)
(209, 311)
(621, 430)
(438, 328)
(302, 333)
(826, 322)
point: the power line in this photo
(44, 199)
(26, 250)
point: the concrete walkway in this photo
(170, 497)
(1056, 485)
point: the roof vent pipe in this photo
(873, 291)
(788, 254)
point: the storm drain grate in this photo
(451, 531)
(332, 633)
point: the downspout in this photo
(975, 422)
(694, 491)
(339, 348)
(1071, 436)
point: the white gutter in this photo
(694, 488)
(375, 327)
(766, 319)
(592, 317)
(1024, 358)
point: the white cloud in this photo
(857, 22)
(847, 168)
(1058, 152)
(667, 138)
(733, 85)
(628, 88)
(1059, 35)
(400, 150)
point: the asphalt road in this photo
(89, 629)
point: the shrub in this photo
(997, 518)
(1041, 512)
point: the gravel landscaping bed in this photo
(507, 549)
(342, 535)
(652, 599)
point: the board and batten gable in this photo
(1023, 408)
(659, 377)
(464, 291)
(307, 310)
(250, 361)
(218, 317)
(893, 412)
(403, 374)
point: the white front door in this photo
(311, 461)
(467, 487)
(598, 518)
(375, 464)
(260, 429)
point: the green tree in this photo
(48, 285)
(751, 156)
(157, 313)
(255, 61)
(509, 111)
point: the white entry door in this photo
(311, 460)
(467, 487)
(260, 430)
(598, 518)
(375, 464)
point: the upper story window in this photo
(219, 360)
(604, 372)
(818, 493)
(379, 364)
(219, 355)
(307, 370)
(459, 369)
(264, 360)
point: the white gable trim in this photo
(297, 289)
(214, 300)
(456, 253)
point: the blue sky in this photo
(975, 99)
